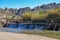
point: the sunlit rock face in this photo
(2, 18)
(46, 7)
(23, 10)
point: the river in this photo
(22, 27)
(27, 26)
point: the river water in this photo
(22, 27)
(27, 26)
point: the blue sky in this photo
(24, 3)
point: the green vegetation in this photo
(26, 16)
(52, 34)
(53, 14)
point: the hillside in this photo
(27, 9)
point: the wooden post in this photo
(49, 26)
(55, 27)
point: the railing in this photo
(30, 23)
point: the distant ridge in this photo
(44, 7)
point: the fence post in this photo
(55, 27)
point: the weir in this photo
(26, 26)
(39, 26)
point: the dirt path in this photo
(16, 36)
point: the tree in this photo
(17, 17)
(26, 16)
(53, 14)
(37, 16)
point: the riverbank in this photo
(17, 36)
(51, 34)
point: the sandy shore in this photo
(16, 36)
